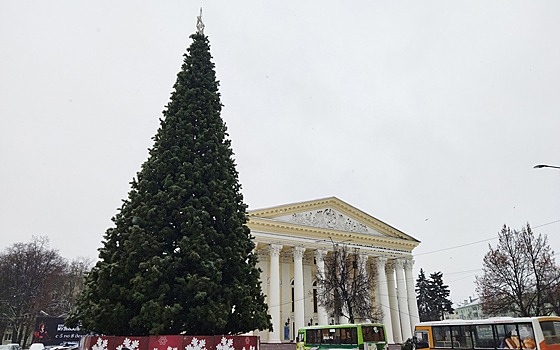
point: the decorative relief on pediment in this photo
(331, 219)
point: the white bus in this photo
(538, 333)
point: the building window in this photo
(315, 296)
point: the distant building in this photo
(469, 310)
(472, 310)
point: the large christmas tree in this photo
(180, 258)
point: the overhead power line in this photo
(476, 242)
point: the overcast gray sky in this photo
(428, 115)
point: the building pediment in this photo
(327, 220)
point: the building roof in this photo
(323, 222)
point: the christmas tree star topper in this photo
(199, 24)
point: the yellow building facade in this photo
(292, 241)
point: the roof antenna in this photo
(199, 24)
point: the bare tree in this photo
(519, 275)
(29, 274)
(71, 283)
(346, 286)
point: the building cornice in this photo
(346, 209)
(324, 236)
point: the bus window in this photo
(483, 337)
(421, 340)
(507, 336)
(526, 335)
(442, 337)
(313, 336)
(499, 335)
(349, 335)
(462, 337)
(373, 334)
(512, 340)
(327, 336)
(336, 333)
(551, 331)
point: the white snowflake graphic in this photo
(170, 348)
(129, 344)
(196, 344)
(225, 344)
(100, 345)
(162, 340)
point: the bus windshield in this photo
(551, 331)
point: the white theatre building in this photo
(292, 241)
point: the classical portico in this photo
(292, 242)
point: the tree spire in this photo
(199, 24)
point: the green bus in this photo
(362, 336)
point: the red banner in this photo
(171, 342)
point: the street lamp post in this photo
(538, 166)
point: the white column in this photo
(412, 302)
(274, 293)
(384, 297)
(322, 316)
(299, 307)
(308, 293)
(403, 303)
(263, 265)
(393, 305)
